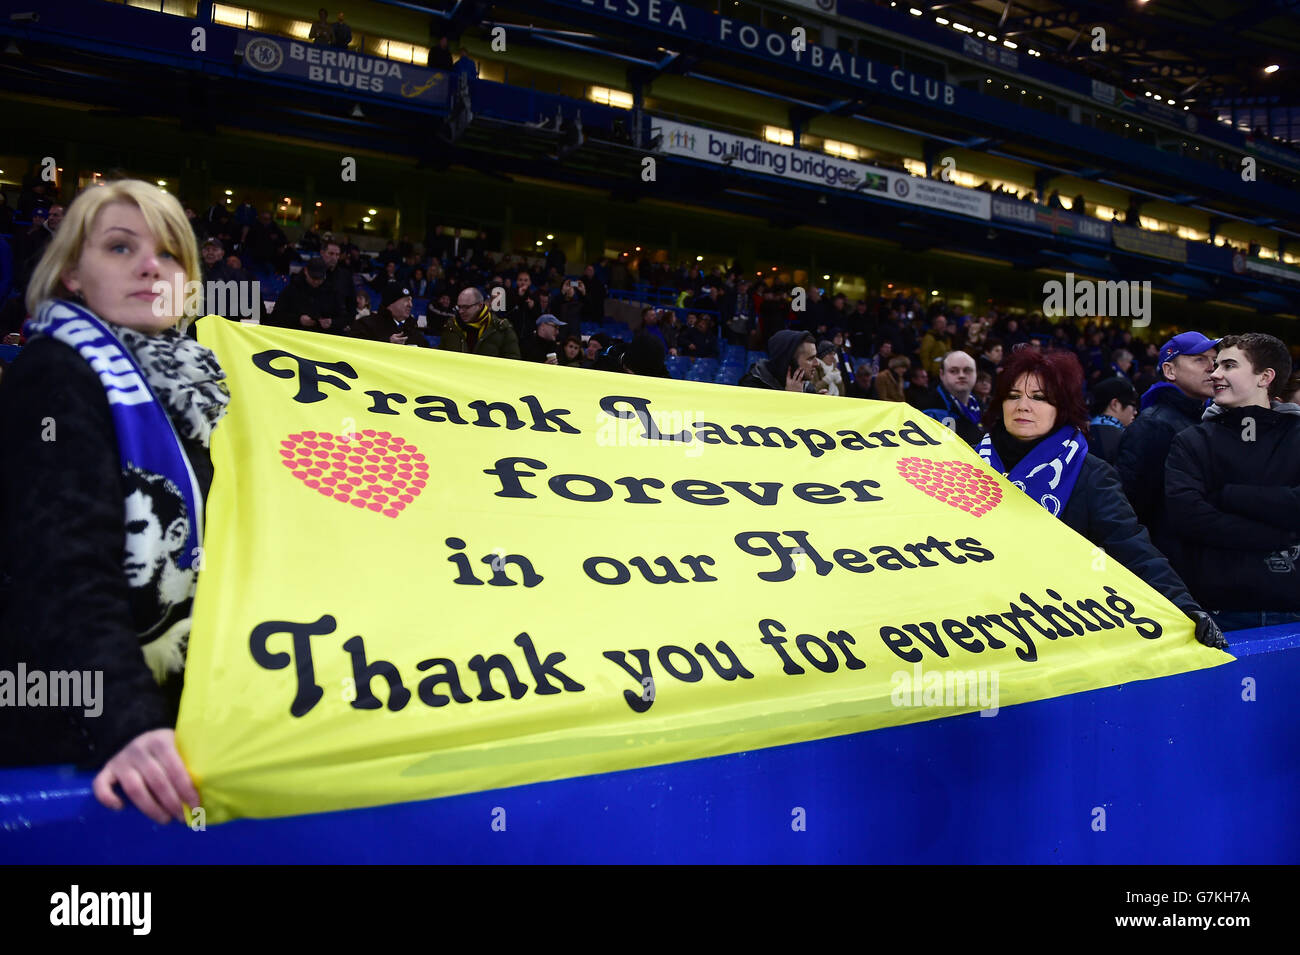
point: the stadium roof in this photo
(1197, 51)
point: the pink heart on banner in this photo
(956, 483)
(398, 472)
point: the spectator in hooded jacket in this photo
(1233, 484)
(1113, 406)
(1176, 402)
(1037, 425)
(789, 365)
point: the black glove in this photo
(1207, 631)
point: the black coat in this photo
(340, 280)
(1234, 497)
(966, 429)
(1145, 445)
(1140, 460)
(380, 326)
(300, 299)
(1103, 441)
(1099, 511)
(64, 599)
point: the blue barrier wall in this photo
(1185, 769)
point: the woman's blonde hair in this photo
(162, 214)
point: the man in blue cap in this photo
(1176, 402)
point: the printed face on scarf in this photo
(1026, 412)
(151, 549)
(118, 267)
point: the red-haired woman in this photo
(1037, 427)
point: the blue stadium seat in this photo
(8, 353)
(617, 330)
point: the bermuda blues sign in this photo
(753, 155)
(342, 69)
(1056, 221)
(692, 24)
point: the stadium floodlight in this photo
(550, 237)
(914, 12)
(372, 212)
(941, 21)
(1271, 68)
(826, 278)
(1009, 45)
(365, 218)
(699, 258)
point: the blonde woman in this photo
(105, 418)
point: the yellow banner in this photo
(429, 573)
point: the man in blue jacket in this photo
(1185, 365)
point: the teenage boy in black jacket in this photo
(1233, 487)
